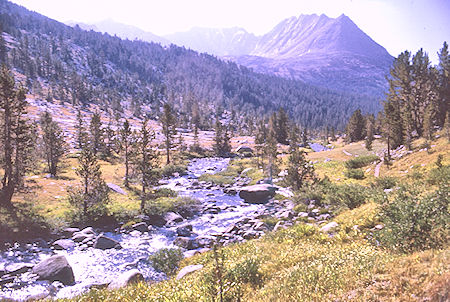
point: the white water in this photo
(94, 266)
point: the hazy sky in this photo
(395, 24)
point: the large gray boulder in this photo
(55, 268)
(257, 193)
(102, 242)
(127, 278)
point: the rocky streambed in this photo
(89, 258)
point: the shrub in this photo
(95, 202)
(166, 260)
(183, 205)
(164, 192)
(416, 223)
(386, 182)
(351, 196)
(361, 161)
(355, 173)
(170, 170)
(246, 271)
(439, 175)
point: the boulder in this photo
(156, 220)
(102, 242)
(80, 237)
(55, 268)
(257, 193)
(63, 244)
(205, 241)
(185, 230)
(188, 269)
(15, 269)
(186, 243)
(127, 278)
(172, 217)
(141, 227)
(116, 188)
(329, 227)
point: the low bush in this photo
(439, 175)
(183, 205)
(413, 222)
(166, 260)
(361, 161)
(170, 170)
(350, 196)
(354, 173)
(386, 182)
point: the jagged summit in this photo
(297, 36)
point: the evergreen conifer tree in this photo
(53, 142)
(145, 161)
(370, 127)
(355, 127)
(96, 133)
(168, 123)
(125, 148)
(16, 137)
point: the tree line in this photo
(415, 106)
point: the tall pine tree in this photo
(53, 142)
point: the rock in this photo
(257, 193)
(172, 217)
(141, 227)
(88, 230)
(186, 243)
(116, 188)
(6, 280)
(205, 241)
(278, 226)
(102, 242)
(127, 278)
(15, 269)
(55, 268)
(68, 232)
(329, 227)
(80, 237)
(185, 230)
(250, 235)
(63, 244)
(302, 214)
(156, 220)
(260, 226)
(243, 150)
(188, 269)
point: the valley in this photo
(304, 164)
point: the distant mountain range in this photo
(322, 51)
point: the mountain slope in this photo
(322, 51)
(318, 50)
(84, 67)
(122, 31)
(221, 42)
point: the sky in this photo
(397, 25)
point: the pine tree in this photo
(16, 136)
(54, 146)
(305, 137)
(260, 139)
(168, 123)
(370, 126)
(447, 125)
(222, 145)
(145, 160)
(96, 133)
(355, 127)
(125, 148)
(110, 141)
(271, 154)
(81, 135)
(444, 85)
(3, 50)
(300, 170)
(94, 193)
(281, 124)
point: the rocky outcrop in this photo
(257, 193)
(55, 268)
(125, 279)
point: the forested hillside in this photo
(73, 65)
